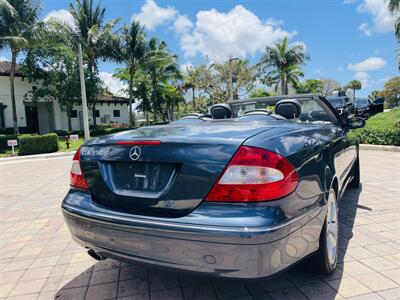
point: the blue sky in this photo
(350, 39)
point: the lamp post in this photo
(231, 77)
(83, 92)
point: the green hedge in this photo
(4, 139)
(35, 144)
(381, 129)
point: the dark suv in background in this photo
(366, 108)
(343, 105)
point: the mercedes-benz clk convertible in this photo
(243, 192)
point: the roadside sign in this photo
(12, 144)
(73, 137)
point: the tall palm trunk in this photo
(12, 91)
(193, 100)
(130, 99)
(283, 83)
(132, 72)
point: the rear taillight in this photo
(77, 179)
(254, 175)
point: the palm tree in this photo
(292, 75)
(17, 23)
(394, 8)
(97, 39)
(191, 81)
(373, 95)
(131, 50)
(354, 85)
(190, 84)
(161, 67)
(284, 60)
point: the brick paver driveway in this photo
(38, 259)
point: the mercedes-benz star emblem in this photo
(135, 152)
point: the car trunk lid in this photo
(167, 177)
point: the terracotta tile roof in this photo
(5, 67)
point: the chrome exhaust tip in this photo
(96, 255)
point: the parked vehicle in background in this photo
(231, 196)
(377, 106)
(363, 107)
(343, 105)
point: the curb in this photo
(379, 148)
(38, 156)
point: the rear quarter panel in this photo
(316, 151)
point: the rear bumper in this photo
(228, 251)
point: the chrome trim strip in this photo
(168, 226)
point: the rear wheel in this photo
(355, 172)
(327, 255)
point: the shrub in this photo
(381, 129)
(35, 144)
(4, 139)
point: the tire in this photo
(327, 255)
(355, 172)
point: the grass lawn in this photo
(62, 145)
(73, 145)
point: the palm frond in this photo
(7, 8)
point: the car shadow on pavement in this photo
(110, 279)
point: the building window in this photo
(74, 113)
(97, 113)
(116, 113)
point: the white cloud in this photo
(382, 19)
(151, 15)
(349, 1)
(185, 66)
(114, 85)
(3, 58)
(370, 64)
(238, 32)
(364, 28)
(363, 77)
(182, 24)
(61, 15)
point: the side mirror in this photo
(353, 123)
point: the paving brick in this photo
(102, 291)
(349, 287)
(376, 282)
(133, 287)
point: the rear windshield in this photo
(311, 111)
(361, 101)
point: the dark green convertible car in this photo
(245, 192)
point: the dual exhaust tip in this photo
(95, 255)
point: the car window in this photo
(361, 101)
(312, 112)
(336, 102)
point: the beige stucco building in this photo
(45, 116)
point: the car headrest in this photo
(221, 111)
(289, 109)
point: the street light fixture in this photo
(231, 77)
(83, 92)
